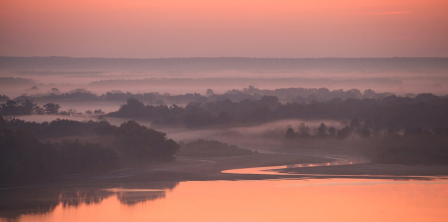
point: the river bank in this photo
(279, 166)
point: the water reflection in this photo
(39, 201)
(258, 200)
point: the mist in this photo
(195, 75)
(224, 110)
(136, 131)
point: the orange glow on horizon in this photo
(264, 28)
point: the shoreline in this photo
(212, 169)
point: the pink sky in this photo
(214, 28)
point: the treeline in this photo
(358, 129)
(61, 128)
(299, 95)
(17, 107)
(26, 106)
(422, 146)
(224, 63)
(305, 95)
(426, 110)
(23, 157)
(115, 95)
(412, 145)
(4, 98)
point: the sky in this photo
(224, 28)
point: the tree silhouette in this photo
(51, 108)
(290, 133)
(304, 130)
(209, 92)
(71, 111)
(322, 130)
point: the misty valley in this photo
(223, 139)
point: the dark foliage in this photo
(51, 108)
(414, 145)
(297, 95)
(63, 128)
(132, 138)
(4, 98)
(17, 107)
(420, 148)
(424, 110)
(23, 158)
(139, 142)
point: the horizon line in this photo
(230, 57)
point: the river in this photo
(341, 199)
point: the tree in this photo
(55, 91)
(137, 141)
(72, 111)
(290, 133)
(4, 98)
(51, 108)
(343, 133)
(26, 106)
(304, 130)
(18, 107)
(39, 110)
(9, 108)
(322, 130)
(209, 92)
(98, 111)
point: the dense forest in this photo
(424, 110)
(24, 158)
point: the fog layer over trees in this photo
(424, 110)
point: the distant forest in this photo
(299, 95)
(412, 145)
(229, 63)
(251, 106)
(424, 110)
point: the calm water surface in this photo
(263, 200)
(257, 200)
